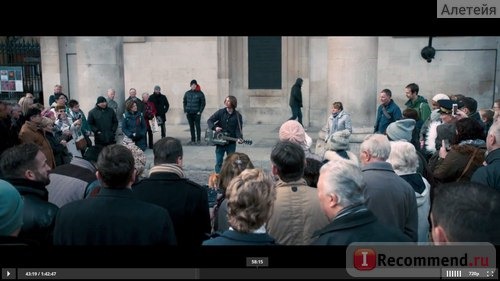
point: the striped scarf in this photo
(167, 168)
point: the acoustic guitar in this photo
(213, 137)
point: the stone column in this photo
(99, 67)
(49, 49)
(223, 67)
(352, 78)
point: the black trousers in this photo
(194, 122)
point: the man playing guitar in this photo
(230, 121)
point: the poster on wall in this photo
(11, 78)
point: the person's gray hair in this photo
(403, 157)
(377, 145)
(495, 130)
(345, 179)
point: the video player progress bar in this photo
(179, 273)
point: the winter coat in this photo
(451, 168)
(343, 123)
(382, 121)
(186, 202)
(30, 133)
(357, 224)
(193, 102)
(113, 217)
(421, 106)
(39, 215)
(391, 198)
(489, 174)
(297, 213)
(103, 123)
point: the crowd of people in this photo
(424, 175)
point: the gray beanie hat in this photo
(11, 209)
(339, 140)
(401, 130)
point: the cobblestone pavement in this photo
(198, 176)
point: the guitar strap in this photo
(239, 124)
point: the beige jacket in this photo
(296, 215)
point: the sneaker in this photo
(191, 143)
(198, 143)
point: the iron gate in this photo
(16, 51)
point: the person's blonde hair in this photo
(250, 200)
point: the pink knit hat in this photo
(292, 131)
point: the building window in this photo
(264, 62)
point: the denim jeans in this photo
(219, 154)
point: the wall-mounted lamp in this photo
(428, 52)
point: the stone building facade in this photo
(352, 70)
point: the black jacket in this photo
(228, 122)
(161, 103)
(193, 102)
(113, 217)
(357, 224)
(186, 202)
(103, 123)
(296, 94)
(233, 238)
(490, 174)
(39, 214)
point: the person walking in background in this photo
(194, 103)
(388, 111)
(226, 120)
(296, 101)
(161, 104)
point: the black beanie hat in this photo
(193, 82)
(101, 99)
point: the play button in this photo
(8, 273)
